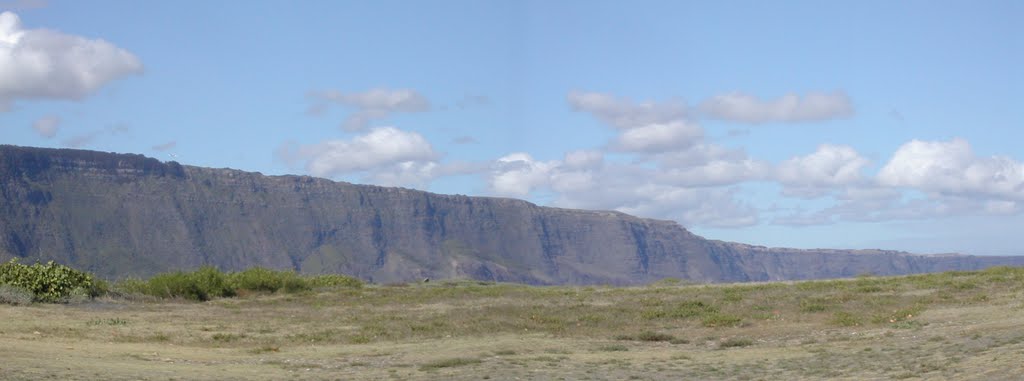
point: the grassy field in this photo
(941, 326)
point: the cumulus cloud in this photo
(583, 180)
(659, 137)
(646, 127)
(740, 107)
(371, 105)
(814, 175)
(584, 159)
(692, 206)
(624, 113)
(380, 147)
(46, 64)
(416, 174)
(47, 126)
(952, 168)
(714, 173)
(518, 174)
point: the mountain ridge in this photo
(127, 214)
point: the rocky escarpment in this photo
(120, 215)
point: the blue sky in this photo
(863, 124)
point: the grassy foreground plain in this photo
(963, 325)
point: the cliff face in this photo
(120, 215)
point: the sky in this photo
(853, 124)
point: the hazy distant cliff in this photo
(119, 215)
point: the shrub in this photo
(265, 280)
(259, 279)
(654, 336)
(736, 342)
(296, 284)
(203, 284)
(129, 286)
(48, 282)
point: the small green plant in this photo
(265, 349)
(736, 342)
(226, 337)
(449, 363)
(721, 320)
(111, 321)
(654, 336)
(845, 319)
(813, 305)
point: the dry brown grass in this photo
(942, 326)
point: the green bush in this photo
(49, 282)
(259, 279)
(130, 286)
(265, 280)
(203, 284)
(208, 282)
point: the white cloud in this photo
(518, 174)
(582, 159)
(952, 168)
(710, 207)
(714, 173)
(828, 167)
(625, 114)
(378, 148)
(655, 138)
(47, 126)
(632, 188)
(40, 63)
(407, 173)
(746, 108)
(370, 105)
